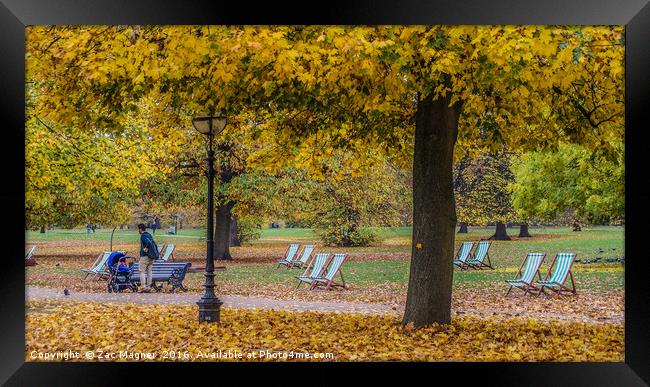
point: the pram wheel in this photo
(110, 288)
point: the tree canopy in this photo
(416, 92)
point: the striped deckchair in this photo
(289, 255)
(98, 268)
(464, 252)
(478, 260)
(328, 279)
(167, 252)
(563, 262)
(319, 263)
(524, 281)
(304, 257)
(30, 253)
(29, 257)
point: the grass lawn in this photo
(63, 253)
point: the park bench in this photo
(172, 273)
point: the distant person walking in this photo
(88, 229)
(148, 253)
(153, 228)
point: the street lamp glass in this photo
(202, 124)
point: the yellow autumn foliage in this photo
(53, 327)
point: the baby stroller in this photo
(119, 273)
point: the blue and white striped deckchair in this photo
(563, 262)
(304, 257)
(464, 252)
(167, 252)
(98, 268)
(316, 270)
(478, 261)
(328, 279)
(524, 281)
(292, 250)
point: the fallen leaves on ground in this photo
(55, 327)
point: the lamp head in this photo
(209, 125)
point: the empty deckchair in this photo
(161, 247)
(316, 270)
(29, 257)
(289, 255)
(478, 260)
(556, 281)
(98, 268)
(304, 257)
(464, 253)
(327, 280)
(167, 252)
(524, 280)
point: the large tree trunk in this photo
(500, 234)
(434, 214)
(463, 228)
(42, 229)
(234, 237)
(523, 231)
(222, 232)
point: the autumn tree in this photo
(591, 186)
(481, 190)
(381, 85)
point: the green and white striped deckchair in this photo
(304, 257)
(167, 252)
(563, 262)
(524, 281)
(98, 268)
(478, 260)
(316, 270)
(292, 250)
(328, 279)
(464, 252)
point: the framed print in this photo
(443, 187)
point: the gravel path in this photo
(241, 302)
(39, 293)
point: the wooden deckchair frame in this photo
(29, 257)
(561, 287)
(285, 261)
(328, 259)
(480, 265)
(297, 262)
(171, 254)
(469, 255)
(99, 274)
(327, 283)
(529, 286)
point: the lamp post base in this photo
(209, 309)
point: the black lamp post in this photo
(209, 304)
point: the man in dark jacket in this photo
(148, 253)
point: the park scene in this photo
(324, 193)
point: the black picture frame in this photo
(15, 15)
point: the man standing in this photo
(148, 253)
